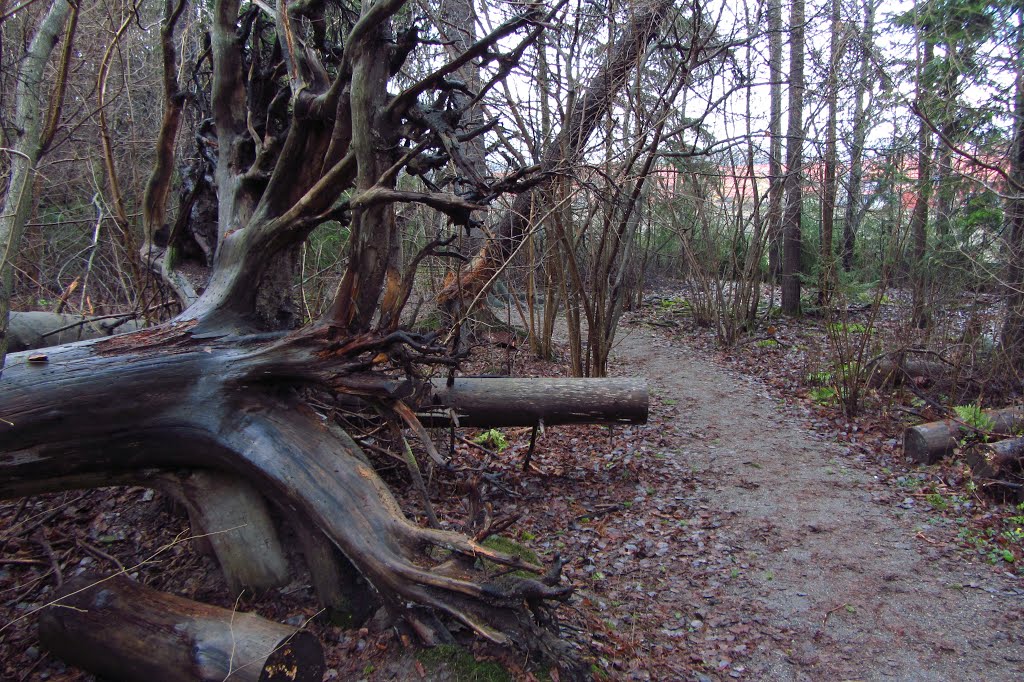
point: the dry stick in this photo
(533, 443)
(417, 479)
(417, 427)
(41, 540)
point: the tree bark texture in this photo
(209, 404)
(775, 189)
(27, 149)
(121, 630)
(1013, 326)
(854, 212)
(1001, 459)
(525, 402)
(791, 229)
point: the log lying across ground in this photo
(33, 329)
(501, 401)
(928, 443)
(121, 630)
(996, 460)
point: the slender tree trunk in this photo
(919, 218)
(826, 266)
(29, 145)
(791, 236)
(854, 213)
(1013, 326)
(775, 189)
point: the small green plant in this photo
(461, 665)
(937, 501)
(823, 395)
(974, 418)
(819, 378)
(492, 438)
(848, 328)
(767, 343)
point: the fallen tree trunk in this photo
(34, 329)
(497, 402)
(928, 443)
(121, 630)
(232, 404)
(996, 460)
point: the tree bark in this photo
(919, 217)
(1013, 325)
(232, 517)
(928, 443)
(791, 229)
(826, 266)
(25, 154)
(121, 630)
(209, 404)
(997, 460)
(775, 175)
(525, 402)
(31, 330)
(855, 208)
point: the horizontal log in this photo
(928, 443)
(503, 401)
(121, 630)
(992, 460)
(34, 329)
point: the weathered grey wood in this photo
(205, 407)
(928, 443)
(232, 517)
(35, 329)
(494, 402)
(121, 630)
(992, 460)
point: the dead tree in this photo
(309, 123)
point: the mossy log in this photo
(121, 630)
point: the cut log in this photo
(121, 630)
(928, 443)
(889, 372)
(996, 460)
(498, 402)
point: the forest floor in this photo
(746, 532)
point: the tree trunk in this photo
(211, 403)
(826, 266)
(31, 133)
(775, 188)
(997, 460)
(928, 443)
(919, 218)
(855, 208)
(525, 402)
(31, 330)
(1013, 325)
(791, 237)
(121, 630)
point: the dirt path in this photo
(833, 575)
